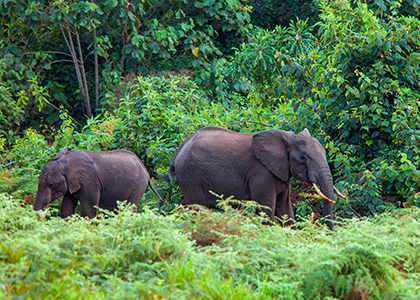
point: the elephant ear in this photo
(63, 152)
(270, 148)
(80, 170)
(305, 132)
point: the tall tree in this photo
(105, 40)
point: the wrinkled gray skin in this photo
(251, 166)
(95, 178)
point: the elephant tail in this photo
(171, 170)
(156, 193)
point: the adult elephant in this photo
(95, 178)
(251, 166)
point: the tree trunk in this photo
(95, 56)
(78, 65)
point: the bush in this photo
(126, 255)
(21, 163)
(154, 115)
(158, 113)
(359, 91)
(355, 85)
(257, 65)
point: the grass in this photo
(203, 254)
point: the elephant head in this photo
(287, 154)
(62, 175)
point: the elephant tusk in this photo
(339, 194)
(321, 194)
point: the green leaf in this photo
(154, 47)
(30, 74)
(8, 60)
(209, 2)
(137, 40)
(160, 35)
(404, 166)
(132, 17)
(284, 68)
(198, 4)
(291, 70)
(82, 21)
(372, 37)
(381, 4)
(240, 16)
(99, 10)
(371, 193)
(99, 51)
(378, 38)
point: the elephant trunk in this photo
(326, 184)
(38, 205)
(40, 201)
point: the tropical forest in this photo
(207, 138)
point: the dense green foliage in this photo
(362, 93)
(153, 72)
(270, 13)
(199, 254)
(355, 83)
(155, 115)
(80, 49)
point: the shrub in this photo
(21, 163)
(125, 255)
(359, 91)
(158, 113)
(154, 115)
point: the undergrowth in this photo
(196, 253)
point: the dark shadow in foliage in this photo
(269, 14)
(208, 227)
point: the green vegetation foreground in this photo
(199, 254)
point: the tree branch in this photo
(49, 52)
(61, 60)
(244, 121)
(70, 45)
(82, 67)
(95, 58)
(10, 163)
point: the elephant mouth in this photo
(325, 197)
(41, 207)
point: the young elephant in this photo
(251, 166)
(95, 178)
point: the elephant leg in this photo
(195, 192)
(137, 194)
(134, 199)
(264, 193)
(68, 206)
(284, 208)
(89, 198)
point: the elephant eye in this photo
(50, 185)
(302, 157)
